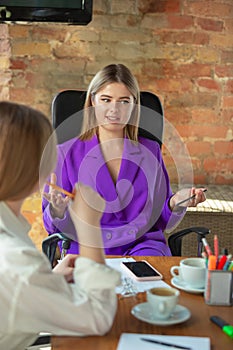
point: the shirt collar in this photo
(15, 226)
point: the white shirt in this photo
(33, 299)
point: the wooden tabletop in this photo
(198, 325)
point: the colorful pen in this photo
(207, 247)
(165, 344)
(59, 189)
(226, 327)
(222, 262)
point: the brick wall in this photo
(181, 50)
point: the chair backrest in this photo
(67, 103)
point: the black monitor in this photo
(77, 12)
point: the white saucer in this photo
(143, 312)
(179, 283)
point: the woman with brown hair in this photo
(34, 298)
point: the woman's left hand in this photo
(181, 196)
(66, 267)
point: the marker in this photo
(207, 247)
(227, 263)
(230, 268)
(226, 327)
(212, 262)
(222, 262)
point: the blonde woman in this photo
(127, 170)
(34, 298)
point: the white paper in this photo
(133, 341)
(115, 263)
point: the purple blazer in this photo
(137, 210)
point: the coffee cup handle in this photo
(173, 269)
(162, 307)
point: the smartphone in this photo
(142, 270)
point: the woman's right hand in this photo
(58, 203)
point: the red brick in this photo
(208, 8)
(194, 70)
(218, 165)
(201, 38)
(184, 37)
(19, 31)
(224, 180)
(221, 40)
(198, 147)
(200, 179)
(192, 100)
(200, 116)
(180, 21)
(223, 147)
(197, 164)
(223, 71)
(27, 95)
(177, 115)
(199, 131)
(18, 64)
(174, 84)
(227, 102)
(229, 24)
(229, 86)
(49, 33)
(227, 116)
(210, 24)
(208, 84)
(152, 6)
(227, 56)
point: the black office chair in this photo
(65, 106)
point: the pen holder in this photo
(219, 287)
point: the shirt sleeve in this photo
(42, 301)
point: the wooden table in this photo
(198, 325)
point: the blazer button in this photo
(108, 235)
(132, 231)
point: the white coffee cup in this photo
(162, 301)
(192, 271)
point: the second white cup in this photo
(192, 271)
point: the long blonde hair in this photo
(24, 133)
(113, 73)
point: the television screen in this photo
(66, 11)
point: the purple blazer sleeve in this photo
(65, 225)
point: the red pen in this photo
(216, 248)
(222, 262)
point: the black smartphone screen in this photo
(141, 269)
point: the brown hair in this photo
(24, 133)
(113, 73)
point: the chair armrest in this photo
(175, 239)
(49, 245)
